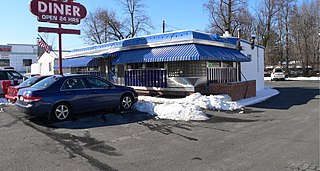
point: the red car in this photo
(13, 90)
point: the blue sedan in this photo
(58, 96)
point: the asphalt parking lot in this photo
(281, 133)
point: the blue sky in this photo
(19, 25)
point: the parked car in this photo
(28, 75)
(12, 77)
(267, 71)
(13, 90)
(58, 97)
(277, 74)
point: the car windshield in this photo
(45, 83)
(278, 70)
(14, 74)
(29, 81)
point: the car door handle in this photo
(95, 92)
(68, 93)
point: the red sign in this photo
(5, 48)
(58, 11)
(57, 30)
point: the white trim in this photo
(179, 89)
(152, 45)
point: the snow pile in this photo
(303, 78)
(261, 96)
(179, 112)
(3, 101)
(217, 102)
(147, 107)
(188, 108)
(297, 78)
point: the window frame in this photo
(24, 61)
(110, 85)
(4, 62)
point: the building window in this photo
(4, 62)
(121, 70)
(227, 64)
(187, 69)
(155, 65)
(213, 64)
(134, 66)
(27, 62)
(50, 67)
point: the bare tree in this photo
(228, 15)
(136, 17)
(103, 25)
(284, 16)
(266, 15)
(305, 23)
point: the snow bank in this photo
(188, 108)
(3, 101)
(296, 78)
(179, 112)
(261, 96)
(217, 102)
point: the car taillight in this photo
(4, 85)
(30, 98)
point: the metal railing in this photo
(222, 75)
(146, 77)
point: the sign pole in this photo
(58, 12)
(60, 51)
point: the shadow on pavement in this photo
(90, 120)
(289, 97)
(220, 119)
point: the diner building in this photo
(176, 63)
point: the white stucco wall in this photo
(44, 63)
(35, 68)
(253, 70)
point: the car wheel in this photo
(126, 102)
(61, 112)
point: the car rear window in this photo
(10, 75)
(29, 81)
(45, 83)
(15, 74)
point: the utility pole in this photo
(163, 26)
(257, 34)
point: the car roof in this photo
(6, 70)
(74, 75)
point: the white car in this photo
(277, 74)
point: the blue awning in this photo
(80, 62)
(185, 52)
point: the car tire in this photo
(60, 112)
(126, 102)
